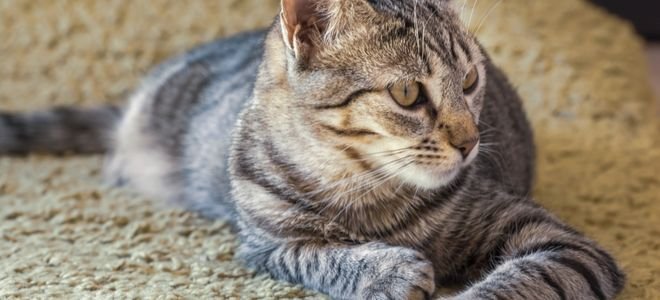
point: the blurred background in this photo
(645, 15)
(642, 13)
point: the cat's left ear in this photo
(303, 25)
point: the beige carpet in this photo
(64, 235)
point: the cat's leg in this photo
(535, 256)
(368, 271)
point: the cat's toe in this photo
(409, 276)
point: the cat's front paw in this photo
(401, 273)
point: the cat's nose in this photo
(466, 146)
(461, 129)
(463, 133)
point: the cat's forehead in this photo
(406, 39)
(410, 6)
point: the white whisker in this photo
(463, 7)
(373, 185)
(356, 178)
(483, 20)
(474, 7)
(489, 144)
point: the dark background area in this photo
(645, 14)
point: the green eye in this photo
(405, 94)
(471, 81)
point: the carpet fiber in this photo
(64, 235)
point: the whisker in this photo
(487, 15)
(377, 174)
(396, 151)
(489, 144)
(388, 177)
(493, 156)
(474, 6)
(368, 156)
(486, 124)
(373, 186)
(382, 168)
(463, 7)
(356, 178)
(337, 199)
(489, 130)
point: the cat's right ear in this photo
(303, 25)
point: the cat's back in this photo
(209, 135)
(218, 55)
(173, 141)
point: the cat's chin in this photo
(429, 179)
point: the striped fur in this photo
(291, 135)
(61, 130)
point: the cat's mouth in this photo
(432, 169)
(428, 164)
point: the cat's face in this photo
(395, 87)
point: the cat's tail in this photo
(61, 130)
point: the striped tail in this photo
(61, 130)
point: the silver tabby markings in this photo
(357, 140)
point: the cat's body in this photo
(314, 199)
(174, 115)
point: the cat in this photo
(365, 149)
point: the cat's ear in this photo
(303, 25)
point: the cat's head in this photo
(394, 87)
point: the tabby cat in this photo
(343, 145)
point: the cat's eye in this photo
(406, 93)
(471, 81)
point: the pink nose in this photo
(466, 146)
